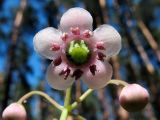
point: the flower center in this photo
(78, 52)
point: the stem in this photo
(118, 82)
(80, 99)
(53, 102)
(67, 97)
(64, 114)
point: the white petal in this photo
(43, 41)
(76, 17)
(57, 81)
(110, 37)
(101, 77)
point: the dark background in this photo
(22, 70)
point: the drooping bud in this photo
(14, 111)
(133, 97)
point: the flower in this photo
(14, 111)
(133, 97)
(77, 51)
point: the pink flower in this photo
(77, 51)
(14, 111)
(133, 97)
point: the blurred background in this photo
(22, 70)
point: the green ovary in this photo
(78, 52)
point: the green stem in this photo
(67, 99)
(64, 114)
(118, 82)
(53, 102)
(81, 98)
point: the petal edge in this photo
(110, 37)
(43, 41)
(76, 17)
(101, 77)
(57, 81)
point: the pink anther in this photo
(93, 69)
(101, 56)
(100, 45)
(64, 36)
(75, 31)
(66, 71)
(57, 61)
(87, 34)
(55, 47)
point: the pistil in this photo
(78, 52)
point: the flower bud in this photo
(133, 97)
(14, 111)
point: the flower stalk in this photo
(64, 114)
(67, 97)
(67, 100)
(117, 82)
(67, 106)
(81, 98)
(52, 101)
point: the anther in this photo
(65, 72)
(101, 56)
(77, 74)
(100, 46)
(93, 69)
(64, 36)
(75, 31)
(57, 61)
(87, 34)
(55, 47)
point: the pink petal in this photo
(101, 77)
(76, 17)
(57, 81)
(110, 37)
(44, 40)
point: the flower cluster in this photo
(77, 51)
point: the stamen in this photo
(87, 34)
(65, 72)
(100, 45)
(77, 74)
(75, 31)
(55, 47)
(57, 61)
(64, 36)
(101, 56)
(93, 69)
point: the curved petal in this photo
(57, 81)
(110, 37)
(101, 77)
(76, 17)
(44, 40)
